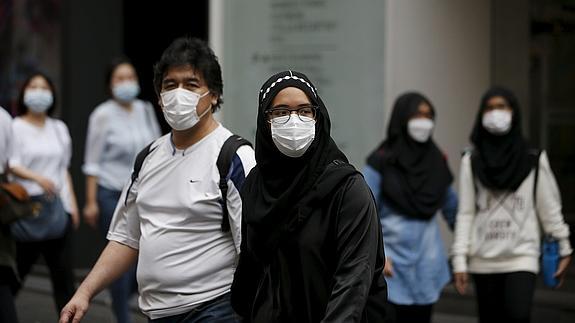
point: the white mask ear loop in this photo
(205, 112)
(208, 109)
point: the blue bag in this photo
(51, 223)
(549, 245)
(550, 261)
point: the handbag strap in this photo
(536, 155)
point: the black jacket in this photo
(330, 270)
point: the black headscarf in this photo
(501, 162)
(280, 190)
(415, 176)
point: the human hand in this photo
(388, 268)
(75, 217)
(75, 309)
(562, 270)
(47, 185)
(460, 281)
(91, 214)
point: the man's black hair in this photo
(197, 54)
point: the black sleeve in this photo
(359, 250)
(246, 280)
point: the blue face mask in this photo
(126, 91)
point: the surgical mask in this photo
(294, 137)
(179, 108)
(38, 100)
(497, 122)
(126, 91)
(420, 129)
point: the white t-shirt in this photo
(44, 150)
(173, 217)
(115, 136)
(5, 137)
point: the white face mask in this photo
(420, 129)
(179, 108)
(497, 122)
(294, 137)
(126, 91)
(38, 100)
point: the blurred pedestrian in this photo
(506, 192)
(411, 181)
(170, 218)
(8, 271)
(41, 152)
(118, 129)
(311, 245)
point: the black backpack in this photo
(223, 163)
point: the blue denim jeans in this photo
(218, 310)
(126, 285)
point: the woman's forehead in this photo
(290, 95)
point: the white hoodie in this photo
(498, 232)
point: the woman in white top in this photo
(118, 129)
(506, 192)
(41, 152)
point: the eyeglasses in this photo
(282, 115)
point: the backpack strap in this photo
(224, 164)
(138, 165)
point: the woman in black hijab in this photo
(311, 246)
(507, 191)
(410, 179)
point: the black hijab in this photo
(280, 190)
(501, 162)
(415, 176)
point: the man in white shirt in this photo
(170, 218)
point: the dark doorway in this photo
(150, 26)
(95, 32)
(552, 84)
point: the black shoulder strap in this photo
(224, 163)
(138, 165)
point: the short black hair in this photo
(111, 68)
(197, 54)
(21, 108)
